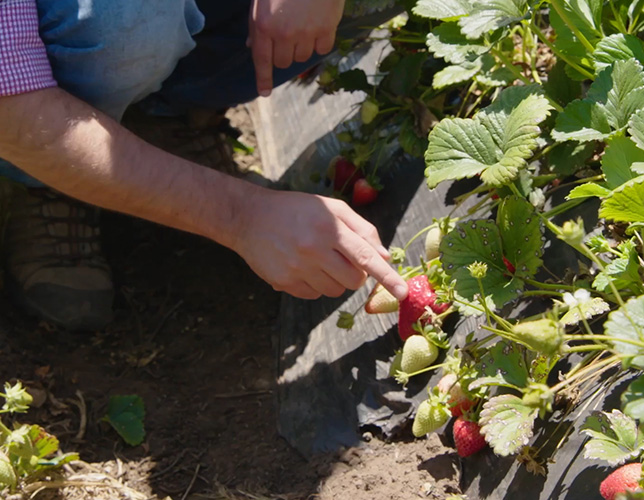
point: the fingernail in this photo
(383, 251)
(264, 93)
(400, 292)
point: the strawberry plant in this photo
(26, 451)
(541, 105)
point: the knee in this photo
(111, 53)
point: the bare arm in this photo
(302, 244)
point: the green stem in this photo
(548, 286)
(605, 337)
(425, 370)
(558, 53)
(563, 207)
(618, 18)
(586, 348)
(564, 17)
(417, 235)
(536, 293)
(510, 65)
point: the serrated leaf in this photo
(409, 140)
(618, 47)
(585, 310)
(495, 143)
(619, 156)
(541, 366)
(626, 203)
(125, 414)
(627, 323)
(521, 235)
(507, 423)
(456, 73)
(441, 9)
(614, 437)
(44, 443)
(633, 399)
(560, 86)
(636, 128)
(504, 362)
(447, 41)
(353, 80)
(623, 272)
(493, 76)
(489, 15)
(568, 157)
(404, 76)
(612, 99)
(588, 190)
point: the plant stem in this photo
(510, 65)
(548, 286)
(564, 17)
(563, 207)
(586, 348)
(536, 293)
(605, 337)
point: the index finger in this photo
(263, 60)
(364, 256)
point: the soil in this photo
(194, 335)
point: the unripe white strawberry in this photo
(429, 418)
(418, 353)
(432, 242)
(381, 301)
(368, 111)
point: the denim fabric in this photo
(179, 53)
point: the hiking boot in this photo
(54, 265)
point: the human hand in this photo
(308, 245)
(283, 31)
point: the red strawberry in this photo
(363, 193)
(421, 295)
(458, 401)
(508, 265)
(345, 174)
(467, 437)
(624, 479)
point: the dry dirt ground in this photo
(194, 336)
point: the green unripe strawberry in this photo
(369, 111)
(418, 353)
(543, 335)
(7, 474)
(432, 242)
(429, 418)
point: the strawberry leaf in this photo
(442, 9)
(613, 97)
(615, 437)
(489, 15)
(588, 190)
(125, 414)
(636, 128)
(456, 73)
(447, 41)
(633, 399)
(507, 423)
(503, 364)
(617, 47)
(627, 323)
(626, 203)
(620, 154)
(585, 310)
(44, 443)
(495, 143)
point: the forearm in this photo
(73, 148)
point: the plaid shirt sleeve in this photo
(24, 66)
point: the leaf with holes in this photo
(507, 423)
(613, 97)
(495, 143)
(615, 437)
(125, 414)
(504, 364)
(633, 399)
(626, 203)
(585, 310)
(627, 323)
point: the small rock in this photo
(367, 436)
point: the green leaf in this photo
(495, 143)
(507, 423)
(493, 76)
(541, 366)
(585, 310)
(614, 437)
(627, 323)
(44, 443)
(560, 86)
(613, 97)
(353, 80)
(636, 128)
(57, 461)
(618, 47)
(566, 158)
(619, 156)
(489, 15)
(623, 271)
(456, 73)
(626, 203)
(125, 414)
(447, 41)
(633, 399)
(441, 9)
(588, 190)
(504, 362)
(409, 140)
(404, 76)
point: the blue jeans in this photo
(176, 53)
